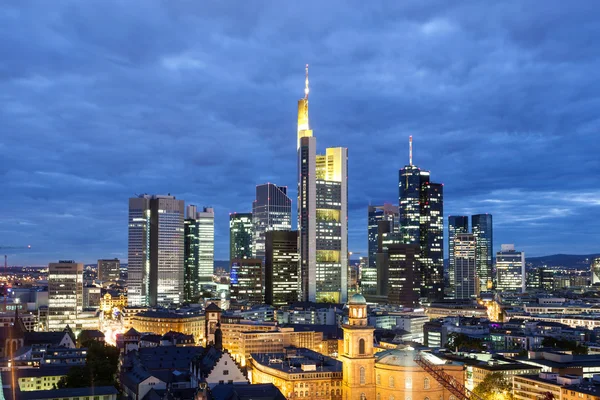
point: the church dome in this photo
(357, 299)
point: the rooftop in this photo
(65, 393)
(292, 361)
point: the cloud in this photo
(103, 100)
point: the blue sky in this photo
(100, 100)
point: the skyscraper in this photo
(155, 251)
(465, 258)
(421, 209)
(206, 232)
(510, 269)
(240, 235)
(456, 224)
(246, 280)
(199, 250)
(281, 267)
(271, 211)
(109, 270)
(322, 215)
(481, 224)
(403, 287)
(595, 269)
(65, 294)
(386, 212)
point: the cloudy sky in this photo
(101, 100)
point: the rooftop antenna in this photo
(306, 84)
(409, 147)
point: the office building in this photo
(91, 297)
(510, 269)
(281, 268)
(322, 215)
(595, 267)
(386, 212)
(456, 224)
(240, 235)
(271, 211)
(385, 238)
(199, 250)
(403, 275)
(65, 294)
(246, 277)
(109, 270)
(421, 210)
(206, 232)
(465, 259)
(155, 250)
(481, 225)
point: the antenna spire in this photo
(306, 84)
(410, 150)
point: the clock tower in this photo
(356, 353)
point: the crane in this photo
(6, 266)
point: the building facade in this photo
(421, 209)
(595, 269)
(271, 211)
(403, 274)
(65, 294)
(510, 269)
(281, 268)
(246, 280)
(240, 235)
(109, 270)
(199, 233)
(465, 266)
(386, 212)
(481, 225)
(155, 250)
(456, 225)
(322, 215)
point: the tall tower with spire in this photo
(322, 214)
(421, 209)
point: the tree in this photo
(99, 370)
(460, 341)
(564, 344)
(495, 386)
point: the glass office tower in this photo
(481, 225)
(271, 211)
(510, 269)
(240, 235)
(465, 258)
(456, 225)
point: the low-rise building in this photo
(299, 373)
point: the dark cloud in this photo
(105, 99)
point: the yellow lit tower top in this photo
(303, 126)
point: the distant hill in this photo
(570, 261)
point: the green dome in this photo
(357, 298)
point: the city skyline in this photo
(494, 114)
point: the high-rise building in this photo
(65, 294)
(456, 224)
(155, 251)
(246, 277)
(271, 211)
(199, 233)
(510, 269)
(240, 235)
(386, 212)
(385, 238)
(281, 267)
(465, 258)
(481, 225)
(109, 270)
(403, 287)
(595, 269)
(421, 209)
(322, 215)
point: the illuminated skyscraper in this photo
(65, 294)
(281, 268)
(246, 280)
(199, 250)
(456, 225)
(386, 212)
(465, 266)
(481, 224)
(109, 270)
(271, 211)
(403, 279)
(421, 209)
(240, 235)
(510, 269)
(595, 267)
(322, 215)
(156, 251)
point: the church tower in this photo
(356, 353)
